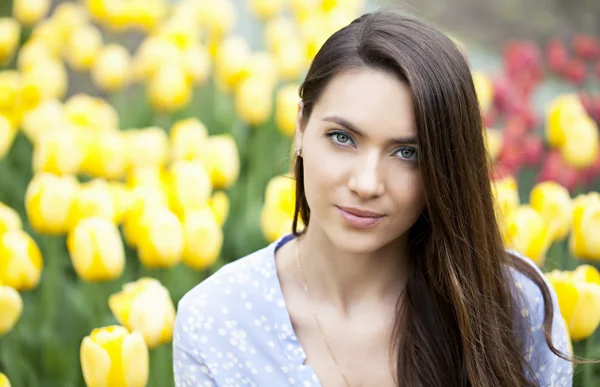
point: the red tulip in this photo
(533, 149)
(576, 71)
(555, 169)
(506, 97)
(521, 55)
(500, 171)
(557, 55)
(511, 155)
(586, 47)
(515, 128)
(490, 117)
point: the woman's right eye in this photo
(340, 138)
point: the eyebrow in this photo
(353, 128)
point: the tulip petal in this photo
(586, 318)
(95, 363)
(135, 360)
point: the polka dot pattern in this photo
(233, 329)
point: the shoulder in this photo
(548, 368)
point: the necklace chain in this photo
(314, 312)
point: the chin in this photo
(359, 241)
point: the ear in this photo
(299, 128)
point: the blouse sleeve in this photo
(549, 369)
(189, 368)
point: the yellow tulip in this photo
(148, 147)
(58, 152)
(291, 60)
(49, 33)
(153, 53)
(313, 33)
(584, 241)
(122, 198)
(154, 176)
(581, 146)
(46, 79)
(232, 61)
(217, 17)
(187, 136)
(484, 89)
(203, 239)
(493, 143)
(561, 113)
(10, 32)
(578, 296)
(145, 306)
(219, 203)
(69, 16)
(29, 12)
(111, 356)
(31, 52)
(48, 202)
(279, 32)
(93, 113)
(275, 222)
(10, 85)
(147, 14)
(189, 185)
(160, 244)
(286, 108)
(527, 232)
(262, 65)
(7, 136)
(265, 9)
(553, 201)
(196, 63)
(9, 219)
(253, 100)
(303, 8)
(93, 198)
(83, 47)
(106, 155)
(169, 89)
(281, 193)
(221, 159)
(4, 382)
(45, 117)
(11, 305)
(142, 199)
(180, 29)
(96, 249)
(20, 260)
(111, 69)
(506, 197)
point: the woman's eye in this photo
(341, 138)
(407, 153)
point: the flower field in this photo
(145, 143)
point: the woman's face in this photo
(361, 175)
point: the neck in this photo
(351, 281)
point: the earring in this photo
(298, 152)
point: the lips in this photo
(360, 218)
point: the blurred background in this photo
(145, 143)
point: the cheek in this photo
(406, 191)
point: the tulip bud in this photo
(553, 201)
(265, 9)
(274, 222)
(578, 295)
(20, 260)
(277, 213)
(484, 89)
(169, 89)
(11, 306)
(83, 47)
(110, 71)
(584, 242)
(69, 16)
(58, 152)
(10, 32)
(45, 117)
(148, 147)
(187, 137)
(29, 12)
(145, 306)
(96, 249)
(220, 158)
(286, 109)
(189, 185)
(262, 65)
(219, 203)
(106, 156)
(196, 63)
(9, 219)
(143, 199)
(218, 17)
(561, 113)
(279, 32)
(493, 143)
(581, 147)
(122, 198)
(45, 79)
(153, 176)
(92, 199)
(527, 232)
(203, 239)
(160, 243)
(153, 53)
(231, 61)
(48, 202)
(253, 100)
(291, 60)
(111, 356)
(7, 136)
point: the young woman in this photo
(399, 277)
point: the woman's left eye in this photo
(407, 153)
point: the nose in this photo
(366, 180)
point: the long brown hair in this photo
(456, 325)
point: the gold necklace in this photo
(314, 312)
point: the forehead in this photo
(370, 99)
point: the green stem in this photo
(588, 369)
